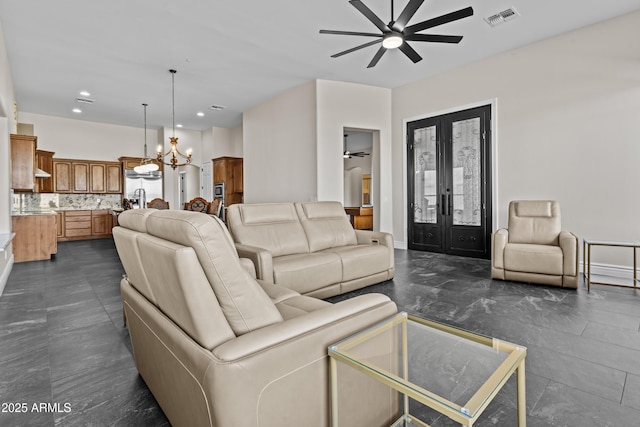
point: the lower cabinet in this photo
(85, 224)
(35, 237)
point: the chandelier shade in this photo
(173, 157)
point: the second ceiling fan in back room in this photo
(348, 154)
(396, 33)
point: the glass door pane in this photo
(425, 181)
(467, 172)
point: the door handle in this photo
(449, 205)
(443, 204)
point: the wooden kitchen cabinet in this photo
(62, 179)
(60, 225)
(23, 162)
(229, 170)
(101, 223)
(86, 176)
(85, 224)
(97, 178)
(77, 224)
(113, 172)
(80, 176)
(35, 237)
(44, 161)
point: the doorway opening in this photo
(361, 171)
(449, 183)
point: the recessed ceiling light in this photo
(77, 110)
(200, 114)
(85, 93)
(178, 125)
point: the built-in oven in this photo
(218, 193)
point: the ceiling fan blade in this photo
(360, 154)
(350, 33)
(405, 16)
(369, 15)
(377, 57)
(412, 54)
(353, 49)
(440, 20)
(435, 38)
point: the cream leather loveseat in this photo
(310, 247)
(218, 348)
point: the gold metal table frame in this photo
(513, 360)
(586, 260)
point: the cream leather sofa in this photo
(310, 247)
(218, 348)
(533, 248)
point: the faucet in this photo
(142, 197)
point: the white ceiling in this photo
(239, 53)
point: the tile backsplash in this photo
(35, 201)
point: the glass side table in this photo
(455, 372)
(586, 261)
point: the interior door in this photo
(449, 183)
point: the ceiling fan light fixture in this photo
(392, 40)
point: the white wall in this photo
(346, 105)
(280, 148)
(7, 126)
(80, 139)
(568, 129)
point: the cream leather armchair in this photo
(533, 248)
(218, 348)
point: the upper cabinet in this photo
(23, 162)
(86, 176)
(44, 161)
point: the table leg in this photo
(635, 266)
(333, 371)
(588, 268)
(522, 400)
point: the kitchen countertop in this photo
(33, 212)
(54, 211)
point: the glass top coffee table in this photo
(455, 372)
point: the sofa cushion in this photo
(542, 259)
(182, 290)
(361, 260)
(271, 226)
(326, 225)
(307, 272)
(244, 303)
(534, 221)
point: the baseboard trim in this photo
(621, 271)
(5, 274)
(400, 244)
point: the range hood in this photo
(42, 174)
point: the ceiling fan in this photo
(396, 33)
(348, 154)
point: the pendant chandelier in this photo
(146, 164)
(173, 156)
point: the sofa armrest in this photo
(261, 258)
(335, 323)
(284, 369)
(569, 244)
(368, 237)
(247, 264)
(499, 240)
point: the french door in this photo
(449, 183)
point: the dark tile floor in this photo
(65, 353)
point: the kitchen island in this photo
(35, 235)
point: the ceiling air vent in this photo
(500, 17)
(85, 100)
(216, 108)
